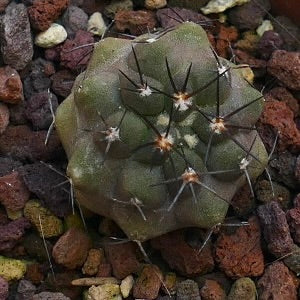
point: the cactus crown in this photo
(159, 134)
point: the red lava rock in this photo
(23, 143)
(40, 180)
(275, 229)
(285, 66)
(62, 83)
(240, 254)
(212, 290)
(75, 60)
(11, 90)
(4, 117)
(34, 273)
(277, 283)
(26, 290)
(226, 36)
(38, 109)
(268, 43)
(104, 270)
(72, 248)
(44, 12)
(8, 165)
(289, 8)
(168, 17)
(3, 289)
(136, 22)
(293, 218)
(53, 54)
(243, 202)
(13, 191)
(278, 115)
(123, 259)
(148, 283)
(282, 94)
(257, 65)
(181, 256)
(12, 232)
(297, 201)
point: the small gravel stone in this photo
(106, 291)
(136, 22)
(8, 165)
(62, 83)
(13, 191)
(11, 89)
(38, 109)
(76, 60)
(123, 258)
(275, 228)
(4, 117)
(43, 220)
(285, 66)
(34, 273)
(74, 19)
(72, 248)
(25, 290)
(126, 286)
(148, 283)
(277, 283)
(50, 296)
(212, 290)
(188, 290)
(117, 5)
(35, 248)
(244, 289)
(190, 4)
(41, 180)
(22, 143)
(249, 15)
(293, 218)
(243, 202)
(217, 6)
(11, 233)
(96, 24)
(3, 289)
(15, 37)
(44, 12)
(11, 269)
(263, 192)
(38, 78)
(240, 254)
(181, 256)
(94, 259)
(248, 42)
(53, 36)
(155, 4)
(292, 261)
(3, 5)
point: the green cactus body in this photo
(129, 162)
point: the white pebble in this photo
(126, 286)
(217, 6)
(96, 24)
(266, 25)
(53, 36)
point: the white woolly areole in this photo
(244, 163)
(181, 103)
(190, 175)
(112, 134)
(145, 91)
(163, 120)
(217, 127)
(191, 139)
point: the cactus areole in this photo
(156, 131)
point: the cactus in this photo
(160, 133)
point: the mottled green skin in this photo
(126, 174)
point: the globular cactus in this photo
(160, 133)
